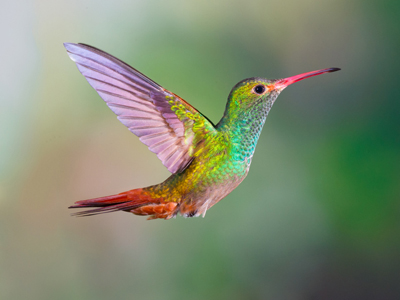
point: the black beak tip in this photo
(334, 69)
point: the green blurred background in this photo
(318, 215)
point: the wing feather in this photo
(167, 124)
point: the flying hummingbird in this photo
(207, 161)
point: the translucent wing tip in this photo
(69, 46)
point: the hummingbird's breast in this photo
(214, 172)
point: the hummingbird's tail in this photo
(137, 201)
(125, 201)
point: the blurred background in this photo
(318, 215)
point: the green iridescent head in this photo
(259, 93)
(251, 91)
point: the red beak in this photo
(282, 83)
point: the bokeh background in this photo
(318, 215)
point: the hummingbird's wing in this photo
(167, 124)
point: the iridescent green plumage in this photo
(207, 161)
(223, 160)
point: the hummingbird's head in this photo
(254, 96)
(252, 91)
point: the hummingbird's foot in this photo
(191, 214)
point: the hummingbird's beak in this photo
(283, 83)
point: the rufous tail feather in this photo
(126, 201)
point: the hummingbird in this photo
(207, 161)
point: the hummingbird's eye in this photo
(259, 89)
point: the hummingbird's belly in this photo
(205, 182)
(205, 185)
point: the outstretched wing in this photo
(167, 124)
